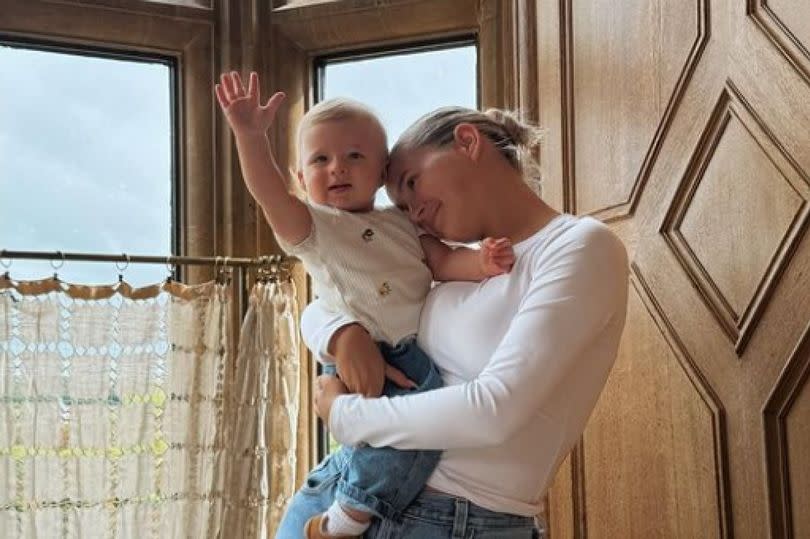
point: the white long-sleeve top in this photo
(524, 357)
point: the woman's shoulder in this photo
(582, 237)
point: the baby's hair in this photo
(335, 109)
(513, 137)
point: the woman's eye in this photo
(355, 155)
(410, 182)
(319, 159)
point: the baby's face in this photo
(343, 163)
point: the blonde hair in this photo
(335, 109)
(510, 135)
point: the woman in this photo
(524, 356)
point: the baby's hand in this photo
(497, 256)
(242, 109)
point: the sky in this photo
(85, 147)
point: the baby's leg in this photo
(314, 497)
(384, 480)
(361, 367)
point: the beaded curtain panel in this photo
(123, 414)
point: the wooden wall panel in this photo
(657, 409)
(684, 125)
(624, 88)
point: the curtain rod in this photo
(142, 259)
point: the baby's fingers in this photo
(226, 81)
(239, 88)
(221, 97)
(273, 104)
(504, 261)
(398, 377)
(253, 84)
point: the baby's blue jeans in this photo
(432, 515)
(377, 480)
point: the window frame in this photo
(187, 42)
(99, 51)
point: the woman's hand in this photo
(496, 256)
(327, 388)
(242, 109)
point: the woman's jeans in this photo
(431, 515)
(381, 481)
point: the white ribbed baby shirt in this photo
(368, 267)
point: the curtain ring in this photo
(120, 269)
(5, 266)
(60, 253)
(55, 273)
(266, 269)
(224, 272)
(217, 269)
(127, 262)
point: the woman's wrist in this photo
(331, 424)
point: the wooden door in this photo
(685, 124)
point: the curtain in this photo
(261, 470)
(123, 413)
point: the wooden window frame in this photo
(187, 44)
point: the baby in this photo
(369, 265)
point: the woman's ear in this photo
(468, 139)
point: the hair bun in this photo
(521, 133)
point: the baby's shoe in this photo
(314, 529)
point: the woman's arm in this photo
(572, 298)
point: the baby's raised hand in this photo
(242, 109)
(497, 256)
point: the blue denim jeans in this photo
(433, 515)
(430, 516)
(381, 481)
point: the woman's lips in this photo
(340, 188)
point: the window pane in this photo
(85, 161)
(402, 87)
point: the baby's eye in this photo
(410, 183)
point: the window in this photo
(392, 83)
(87, 153)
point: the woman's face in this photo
(433, 186)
